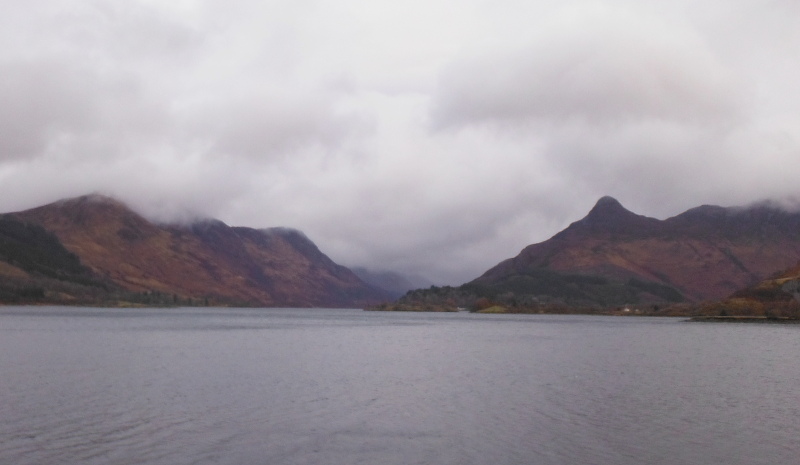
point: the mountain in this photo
(616, 257)
(32, 259)
(203, 261)
(396, 284)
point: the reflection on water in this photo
(233, 386)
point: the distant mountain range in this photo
(395, 283)
(95, 250)
(616, 257)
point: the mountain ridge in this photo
(614, 257)
(203, 260)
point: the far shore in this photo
(745, 319)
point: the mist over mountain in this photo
(395, 283)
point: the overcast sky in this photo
(435, 137)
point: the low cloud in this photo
(273, 125)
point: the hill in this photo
(205, 261)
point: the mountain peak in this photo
(92, 209)
(607, 205)
(608, 211)
(607, 199)
(609, 216)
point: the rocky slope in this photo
(206, 261)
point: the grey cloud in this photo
(603, 66)
(624, 103)
(52, 108)
(77, 80)
(41, 102)
(124, 32)
(273, 126)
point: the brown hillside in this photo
(705, 253)
(207, 259)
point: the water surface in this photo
(320, 386)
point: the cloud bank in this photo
(434, 138)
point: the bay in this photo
(333, 386)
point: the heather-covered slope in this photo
(206, 260)
(614, 257)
